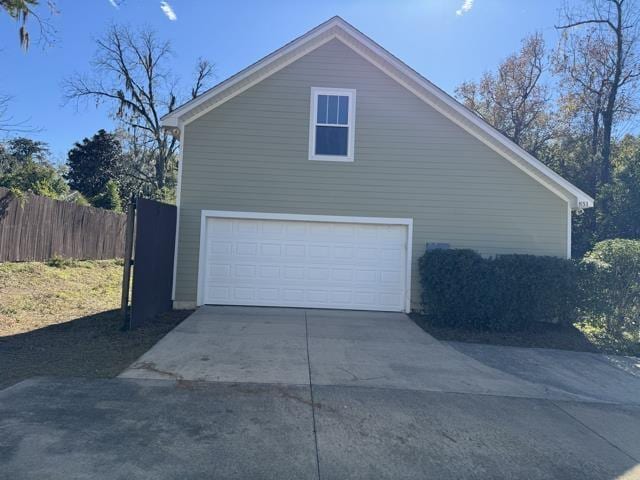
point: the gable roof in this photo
(337, 28)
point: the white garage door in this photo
(295, 263)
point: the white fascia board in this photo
(170, 121)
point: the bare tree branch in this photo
(584, 22)
(131, 74)
(8, 124)
(204, 72)
(602, 68)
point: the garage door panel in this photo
(365, 300)
(270, 250)
(271, 272)
(319, 273)
(305, 264)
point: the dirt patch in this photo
(539, 335)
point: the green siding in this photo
(251, 154)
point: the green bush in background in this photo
(610, 288)
(460, 288)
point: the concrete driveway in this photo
(373, 349)
(289, 393)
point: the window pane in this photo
(343, 110)
(332, 140)
(332, 117)
(322, 109)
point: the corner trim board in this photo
(568, 231)
(178, 192)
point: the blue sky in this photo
(448, 41)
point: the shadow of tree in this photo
(90, 346)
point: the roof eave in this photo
(169, 120)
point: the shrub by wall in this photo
(460, 288)
(610, 286)
(451, 287)
(531, 288)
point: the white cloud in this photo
(168, 11)
(466, 6)
(114, 3)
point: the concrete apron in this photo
(348, 348)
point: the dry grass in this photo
(61, 319)
(34, 295)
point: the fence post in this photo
(126, 274)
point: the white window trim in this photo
(205, 214)
(351, 93)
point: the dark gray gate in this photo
(155, 233)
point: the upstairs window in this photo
(332, 124)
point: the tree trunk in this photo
(160, 171)
(607, 116)
(605, 170)
(595, 131)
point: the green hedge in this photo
(451, 281)
(610, 287)
(461, 288)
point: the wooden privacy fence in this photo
(151, 234)
(34, 228)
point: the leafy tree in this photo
(570, 156)
(611, 288)
(109, 198)
(78, 198)
(94, 162)
(37, 178)
(24, 166)
(622, 195)
(22, 150)
(132, 74)
(513, 99)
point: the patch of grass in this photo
(61, 262)
(61, 318)
(35, 295)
